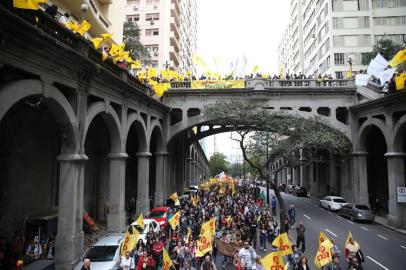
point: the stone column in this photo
(188, 171)
(396, 178)
(69, 240)
(196, 173)
(168, 176)
(285, 175)
(160, 175)
(116, 214)
(296, 176)
(360, 179)
(192, 171)
(303, 171)
(333, 175)
(143, 181)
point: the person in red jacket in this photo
(146, 262)
(157, 248)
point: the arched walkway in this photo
(156, 166)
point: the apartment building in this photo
(168, 30)
(105, 16)
(335, 31)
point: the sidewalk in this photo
(378, 220)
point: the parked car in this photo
(148, 223)
(290, 189)
(194, 187)
(159, 214)
(300, 191)
(357, 212)
(104, 254)
(282, 187)
(332, 203)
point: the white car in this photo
(104, 254)
(148, 223)
(332, 203)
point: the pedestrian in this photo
(286, 225)
(146, 262)
(187, 265)
(355, 265)
(273, 204)
(335, 251)
(292, 215)
(86, 265)
(334, 265)
(351, 250)
(208, 264)
(263, 237)
(126, 262)
(300, 238)
(253, 232)
(303, 264)
(248, 254)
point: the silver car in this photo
(357, 212)
(104, 254)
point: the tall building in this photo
(168, 30)
(335, 31)
(105, 16)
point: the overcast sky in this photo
(228, 29)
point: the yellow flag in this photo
(323, 255)
(136, 64)
(349, 73)
(189, 73)
(209, 226)
(72, 26)
(136, 234)
(222, 190)
(140, 222)
(174, 197)
(104, 56)
(167, 262)
(281, 72)
(96, 42)
(175, 220)
(26, 4)
(400, 81)
(106, 37)
(208, 73)
(128, 244)
(259, 218)
(255, 69)
(229, 220)
(272, 261)
(203, 245)
(283, 243)
(197, 60)
(194, 203)
(233, 189)
(399, 58)
(217, 75)
(83, 27)
(349, 236)
(188, 234)
(116, 50)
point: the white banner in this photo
(377, 65)
(362, 79)
(386, 75)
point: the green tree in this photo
(386, 47)
(265, 137)
(218, 163)
(131, 38)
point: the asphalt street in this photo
(383, 248)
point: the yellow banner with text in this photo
(220, 84)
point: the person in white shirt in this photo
(248, 254)
(127, 262)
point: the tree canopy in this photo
(218, 163)
(131, 38)
(266, 137)
(386, 47)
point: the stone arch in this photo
(157, 130)
(141, 130)
(399, 132)
(37, 125)
(111, 120)
(363, 132)
(13, 92)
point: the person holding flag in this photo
(323, 256)
(248, 254)
(352, 250)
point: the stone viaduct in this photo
(78, 134)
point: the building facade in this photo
(168, 30)
(333, 32)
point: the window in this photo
(133, 18)
(364, 40)
(399, 39)
(339, 74)
(339, 59)
(152, 48)
(388, 3)
(338, 23)
(151, 32)
(363, 22)
(338, 41)
(152, 2)
(152, 17)
(393, 20)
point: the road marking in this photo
(335, 235)
(377, 263)
(364, 228)
(402, 247)
(307, 217)
(340, 217)
(349, 221)
(382, 237)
